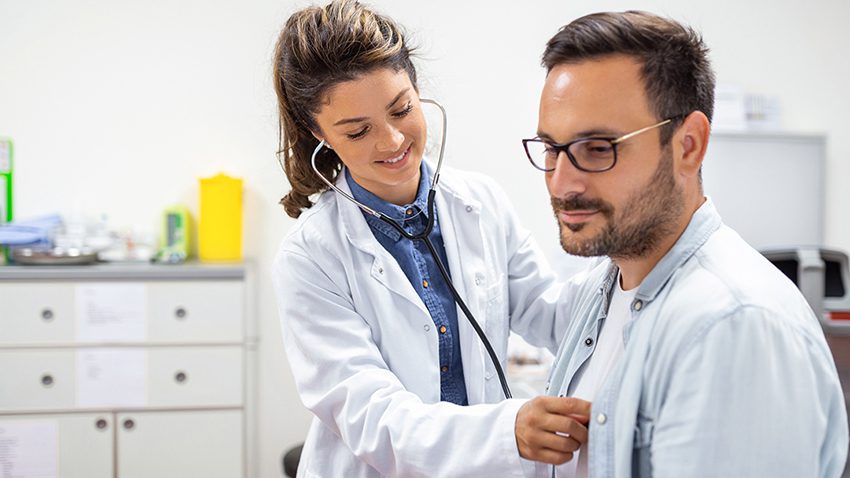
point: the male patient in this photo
(701, 359)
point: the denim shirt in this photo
(422, 272)
(726, 371)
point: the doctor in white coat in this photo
(399, 383)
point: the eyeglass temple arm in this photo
(640, 131)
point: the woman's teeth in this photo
(395, 160)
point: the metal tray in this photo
(53, 257)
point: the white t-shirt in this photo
(609, 350)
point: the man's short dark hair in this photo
(675, 68)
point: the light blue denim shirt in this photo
(726, 371)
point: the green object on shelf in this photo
(176, 241)
(6, 209)
(6, 152)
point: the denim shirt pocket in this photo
(641, 453)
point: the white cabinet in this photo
(209, 447)
(173, 399)
(80, 445)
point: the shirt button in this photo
(443, 329)
(588, 342)
(409, 211)
(425, 284)
(637, 305)
(601, 419)
(427, 327)
(444, 369)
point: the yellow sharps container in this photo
(220, 225)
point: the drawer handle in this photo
(47, 315)
(47, 380)
(180, 313)
(180, 377)
(129, 424)
(100, 424)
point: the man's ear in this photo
(692, 142)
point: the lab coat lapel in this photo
(461, 229)
(384, 267)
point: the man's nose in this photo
(566, 180)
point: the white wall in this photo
(118, 108)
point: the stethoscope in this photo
(423, 236)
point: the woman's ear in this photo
(321, 139)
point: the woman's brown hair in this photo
(318, 48)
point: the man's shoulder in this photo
(725, 278)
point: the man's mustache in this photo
(581, 203)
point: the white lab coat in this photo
(363, 348)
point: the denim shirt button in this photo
(601, 419)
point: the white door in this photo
(57, 446)
(180, 444)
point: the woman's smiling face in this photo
(376, 126)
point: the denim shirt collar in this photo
(703, 223)
(394, 212)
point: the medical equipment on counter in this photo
(220, 223)
(423, 236)
(823, 276)
(175, 244)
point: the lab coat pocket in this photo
(496, 323)
(642, 452)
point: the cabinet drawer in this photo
(174, 312)
(37, 379)
(36, 313)
(195, 376)
(114, 378)
(201, 311)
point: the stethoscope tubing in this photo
(424, 237)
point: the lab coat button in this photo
(601, 419)
(427, 327)
(380, 270)
(468, 208)
(637, 305)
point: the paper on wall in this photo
(29, 449)
(111, 377)
(111, 312)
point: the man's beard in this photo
(647, 217)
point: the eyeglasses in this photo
(593, 155)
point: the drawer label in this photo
(111, 312)
(111, 377)
(28, 448)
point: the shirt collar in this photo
(394, 212)
(704, 223)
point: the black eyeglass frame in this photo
(565, 147)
